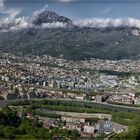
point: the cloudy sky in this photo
(18, 14)
(74, 9)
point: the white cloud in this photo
(36, 13)
(106, 11)
(107, 22)
(2, 7)
(54, 25)
(13, 22)
(20, 23)
(12, 13)
(66, 0)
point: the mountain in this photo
(75, 43)
(50, 17)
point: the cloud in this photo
(107, 10)
(13, 22)
(107, 22)
(12, 13)
(36, 13)
(66, 0)
(20, 23)
(54, 25)
(2, 7)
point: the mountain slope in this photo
(49, 17)
(75, 43)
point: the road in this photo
(91, 103)
(77, 115)
(102, 104)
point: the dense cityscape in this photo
(100, 82)
(69, 70)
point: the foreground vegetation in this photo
(123, 117)
(14, 127)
